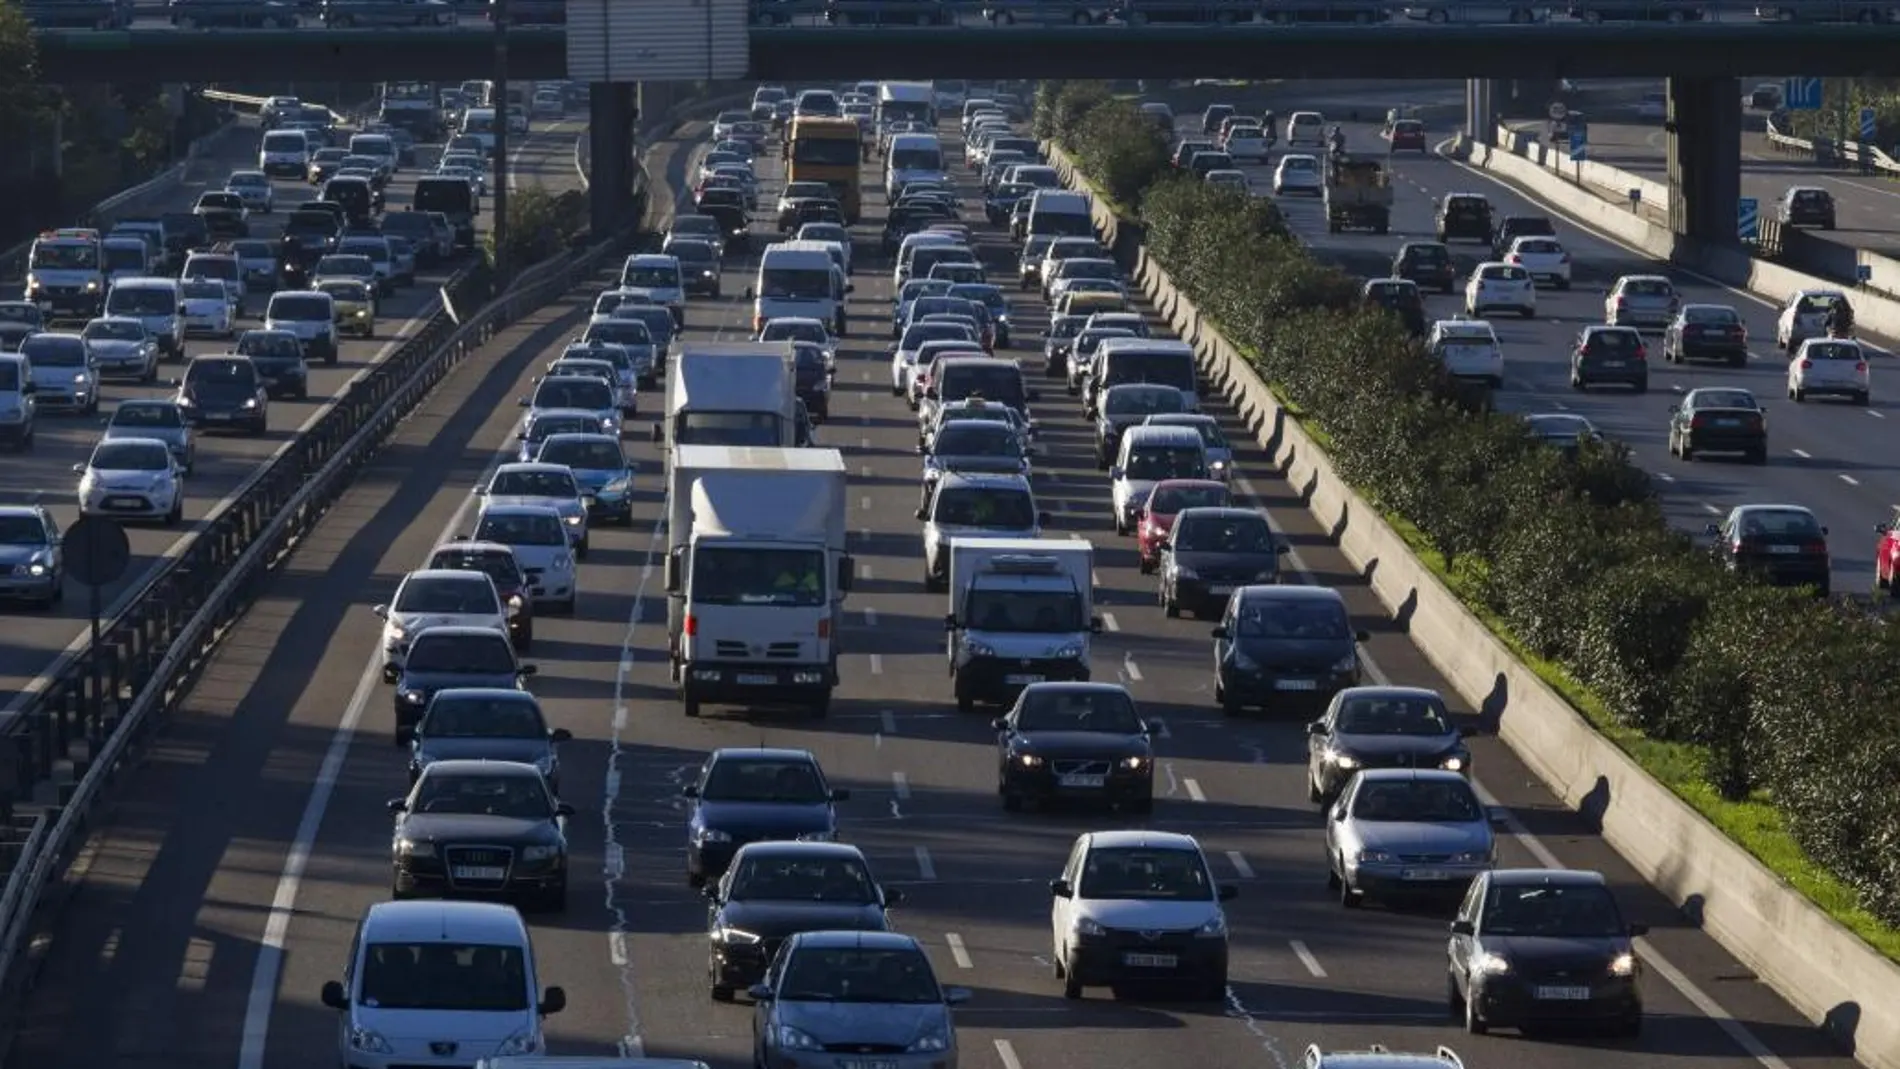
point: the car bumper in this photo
(126, 505)
(756, 684)
(225, 418)
(69, 401)
(437, 877)
(21, 586)
(124, 367)
(1394, 880)
(999, 680)
(1043, 782)
(1694, 350)
(1719, 442)
(813, 1059)
(1515, 1001)
(1117, 961)
(1636, 373)
(1837, 388)
(1205, 595)
(1288, 690)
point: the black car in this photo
(1464, 217)
(18, 319)
(1001, 201)
(1059, 342)
(450, 656)
(488, 828)
(754, 795)
(1563, 431)
(1284, 646)
(487, 724)
(1536, 946)
(699, 265)
(728, 207)
(1808, 206)
(1214, 116)
(1706, 332)
(1401, 297)
(1780, 544)
(775, 890)
(279, 359)
(1074, 741)
(185, 233)
(1719, 420)
(1186, 149)
(498, 562)
(1427, 263)
(812, 379)
(309, 235)
(1212, 552)
(1609, 355)
(1380, 727)
(1512, 227)
(223, 215)
(224, 391)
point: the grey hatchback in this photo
(871, 992)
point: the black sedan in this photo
(775, 890)
(1399, 296)
(1536, 946)
(1380, 727)
(487, 724)
(1719, 420)
(748, 795)
(1427, 263)
(1074, 740)
(1782, 544)
(1706, 332)
(1284, 647)
(450, 656)
(1563, 431)
(481, 828)
(1212, 552)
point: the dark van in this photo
(455, 199)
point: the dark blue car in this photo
(755, 795)
(451, 656)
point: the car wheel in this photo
(1348, 898)
(1474, 1022)
(1071, 987)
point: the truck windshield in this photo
(1001, 510)
(728, 428)
(66, 256)
(825, 152)
(758, 576)
(795, 284)
(1042, 611)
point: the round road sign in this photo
(97, 551)
(1558, 111)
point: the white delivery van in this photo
(912, 157)
(1060, 213)
(285, 154)
(799, 278)
(479, 123)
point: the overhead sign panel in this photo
(657, 40)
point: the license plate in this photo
(1221, 589)
(127, 503)
(1295, 684)
(1564, 994)
(757, 679)
(1613, 363)
(1150, 961)
(1082, 781)
(480, 872)
(217, 417)
(1426, 874)
(866, 1063)
(1021, 680)
(1784, 549)
(1728, 422)
(589, 500)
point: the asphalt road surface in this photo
(32, 639)
(255, 836)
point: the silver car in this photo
(838, 991)
(584, 392)
(604, 370)
(1641, 301)
(32, 568)
(545, 423)
(1403, 831)
(156, 418)
(549, 486)
(120, 347)
(1220, 452)
(486, 724)
(539, 540)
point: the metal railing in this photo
(1844, 154)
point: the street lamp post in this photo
(502, 114)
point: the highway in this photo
(253, 838)
(31, 639)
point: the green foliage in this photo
(1780, 696)
(540, 225)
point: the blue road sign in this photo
(1579, 144)
(1867, 125)
(1802, 94)
(1748, 219)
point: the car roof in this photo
(1410, 775)
(756, 753)
(984, 480)
(469, 545)
(1554, 877)
(489, 694)
(1289, 592)
(475, 766)
(444, 920)
(856, 939)
(1390, 692)
(1220, 512)
(531, 467)
(459, 631)
(149, 442)
(36, 511)
(799, 848)
(1141, 838)
(1072, 687)
(489, 509)
(1162, 434)
(452, 575)
(1767, 507)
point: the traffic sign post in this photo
(1579, 144)
(1803, 94)
(1868, 126)
(97, 554)
(1748, 220)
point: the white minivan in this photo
(423, 976)
(1306, 128)
(912, 157)
(285, 154)
(799, 279)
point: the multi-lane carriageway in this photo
(255, 835)
(31, 640)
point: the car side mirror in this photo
(334, 996)
(560, 735)
(1462, 928)
(710, 892)
(921, 451)
(850, 288)
(521, 402)
(1712, 529)
(949, 621)
(1282, 549)
(1362, 636)
(1882, 528)
(1095, 625)
(79, 469)
(1001, 723)
(893, 896)
(922, 515)
(397, 805)
(1060, 888)
(1228, 892)
(1115, 472)
(553, 1001)
(956, 996)
(760, 993)
(527, 670)
(691, 790)
(1044, 518)
(1638, 929)
(841, 794)
(659, 434)
(1317, 727)
(564, 809)
(1219, 632)
(381, 611)
(1823, 532)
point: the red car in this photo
(1408, 134)
(1170, 496)
(1887, 556)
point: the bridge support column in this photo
(1705, 158)
(1481, 111)
(610, 144)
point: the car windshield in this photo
(1710, 316)
(629, 327)
(1224, 534)
(1391, 714)
(1434, 801)
(971, 506)
(435, 596)
(521, 529)
(1108, 711)
(574, 393)
(803, 879)
(519, 797)
(583, 454)
(795, 284)
(532, 484)
(66, 256)
(1724, 399)
(1046, 612)
(19, 530)
(481, 654)
(652, 276)
(1552, 911)
(971, 438)
(808, 330)
(203, 290)
(1154, 463)
(691, 251)
(296, 308)
(788, 781)
(135, 414)
(1647, 287)
(545, 426)
(109, 330)
(592, 368)
(728, 428)
(1281, 618)
(270, 344)
(455, 717)
(1168, 500)
(355, 292)
(758, 576)
(130, 456)
(497, 565)
(1779, 523)
(1141, 873)
(1143, 402)
(859, 974)
(918, 333)
(703, 225)
(356, 266)
(55, 350)
(444, 976)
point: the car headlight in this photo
(790, 1038)
(571, 521)
(1069, 652)
(978, 649)
(1623, 965)
(1471, 857)
(617, 488)
(1348, 663)
(1214, 927)
(1135, 763)
(526, 1041)
(1342, 760)
(610, 424)
(543, 852)
(734, 937)
(564, 563)
(710, 835)
(1492, 963)
(412, 848)
(79, 377)
(395, 632)
(1373, 857)
(1029, 760)
(410, 697)
(36, 569)
(1087, 926)
(515, 604)
(368, 1041)
(1452, 764)
(250, 403)
(934, 1041)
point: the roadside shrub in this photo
(540, 225)
(1126, 153)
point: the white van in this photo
(1060, 213)
(159, 303)
(1154, 361)
(18, 407)
(285, 154)
(479, 123)
(912, 157)
(1306, 128)
(799, 279)
(426, 974)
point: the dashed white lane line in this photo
(1132, 669)
(888, 721)
(1711, 509)
(926, 868)
(1873, 413)
(865, 502)
(864, 571)
(900, 786)
(1305, 954)
(617, 949)
(1665, 477)
(870, 618)
(1006, 1053)
(1239, 861)
(1849, 479)
(1194, 789)
(1109, 623)
(864, 473)
(958, 952)
(877, 664)
(864, 443)
(1802, 453)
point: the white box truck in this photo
(731, 393)
(756, 575)
(1022, 611)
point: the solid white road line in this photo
(1006, 1053)
(1239, 861)
(1307, 959)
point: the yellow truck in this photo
(1358, 195)
(828, 150)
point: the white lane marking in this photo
(1131, 669)
(617, 949)
(1872, 413)
(614, 865)
(1665, 476)
(958, 952)
(864, 473)
(865, 443)
(1006, 1053)
(926, 869)
(888, 721)
(864, 571)
(1849, 479)
(877, 664)
(1239, 861)
(1802, 453)
(1109, 623)
(865, 502)
(900, 786)
(1194, 789)
(1305, 954)
(870, 618)
(1711, 509)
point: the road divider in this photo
(1820, 967)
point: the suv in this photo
(1512, 227)
(224, 391)
(1464, 217)
(310, 315)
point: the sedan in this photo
(1500, 286)
(853, 991)
(603, 472)
(1537, 945)
(539, 541)
(749, 795)
(1380, 727)
(155, 418)
(1706, 332)
(1400, 832)
(487, 724)
(1168, 499)
(486, 827)
(447, 657)
(1545, 259)
(132, 479)
(1210, 553)
(32, 565)
(1783, 544)
(254, 189)
(776, 890)
(1297, 173)
(1719, 419)
(1074, 740)
(549, 486)
(498, 563)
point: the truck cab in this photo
(731, 393)
(1021, 612)
(65, 273)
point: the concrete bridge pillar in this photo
(1481, 108)
(611, 165)
(1704, 132)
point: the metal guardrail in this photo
(1845, 154)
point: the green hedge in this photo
(540, 225)
(1771, 696)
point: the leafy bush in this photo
(540, 225)
(1788, 698)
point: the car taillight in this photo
(1806, 364)
(1817, 547)
(1861, 366)
(1642, 352)
(1622, 302)
(691, 627)
(824, 628)
(1514, 258)
(1695, 423)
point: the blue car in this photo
(601, 470)
(755, 795)
(450, 657)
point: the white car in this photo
(1804, 317)
(208, 307)
(132, 479)
(549, 106)
(1298, 173)
(1834, 367)
(1150, 454)
(120, 347)
(1247, 143)
(548, 486)
(254, 189)
(1137, 888)
(1500, 285)
(438, 597)
(538, 537)
(1545, 258)
(832, 234)
(1234, 180)
(1641, 301)
(1468, 349)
